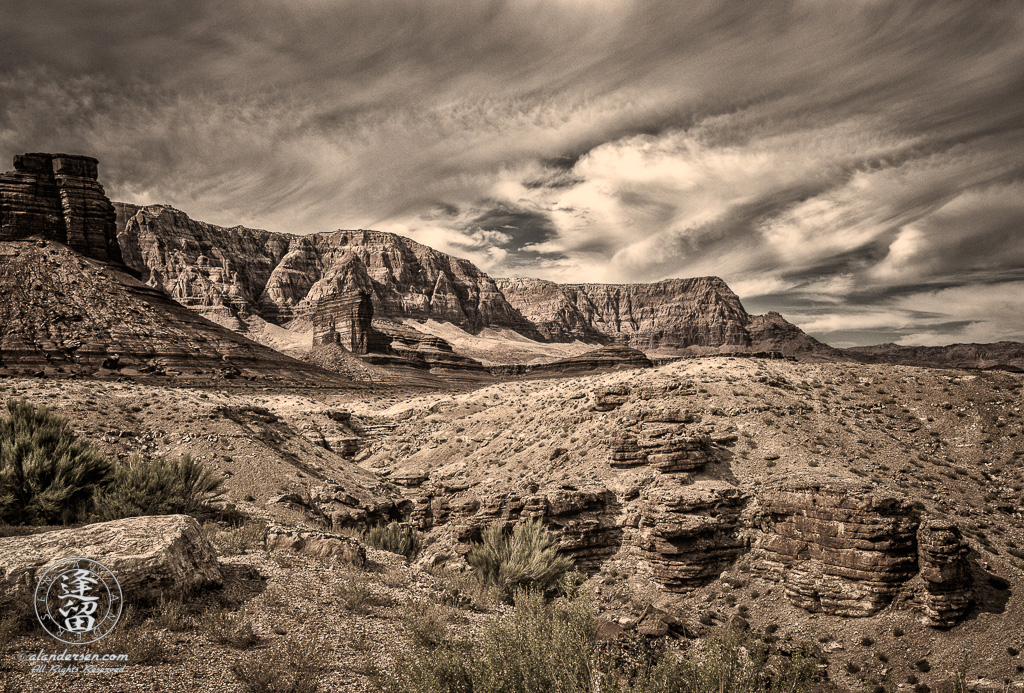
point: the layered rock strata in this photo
(152, 557)
(664, 448)
(690, 534)
(243, 277)
(942, 558)
(675, 313)
(837, 547)
(346, 319)
(58, 197)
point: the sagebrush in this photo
(394, 537)
(158, 486)
(526, 558)
(48, 474)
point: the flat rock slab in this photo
(151, 557)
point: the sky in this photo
(856, 165)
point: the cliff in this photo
(233, 274)
(670, 314)
(1001, 355)
(58, 197)
(243, 278)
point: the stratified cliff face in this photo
(674, 313)
(242, 277)
(231, 274)
(58, 197)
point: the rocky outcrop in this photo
(311, 542)
(665, 448)
(151, 557)
(239, 272)
(609, 358)
(838, 547)
(58, 197)
(218, 272)
(346, 319)
(690, 534)
(675, 313)
(998, 355)
(240, 277)
(942, 558)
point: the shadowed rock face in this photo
(346, 319)
(942, 555)
(62, 313)
(58, 197)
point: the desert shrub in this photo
(537, 647)
(237, 540)
(158, 486)
(295, 669)
(552, 646)
(525, 559)
(731, 663)
(426, 623)
(354, 590)
(173, 615)
(48, 475)
(394, 537)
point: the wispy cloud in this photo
(841, 162)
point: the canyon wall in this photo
(236, 275)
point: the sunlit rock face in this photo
(58, 197)
(675, 313)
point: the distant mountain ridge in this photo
(244, 278)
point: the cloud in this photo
(824, 158)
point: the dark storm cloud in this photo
(801, 148)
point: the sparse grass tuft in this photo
(297, 668)
(231, 628)
(237, 540)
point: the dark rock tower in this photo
(58, 197)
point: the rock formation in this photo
(612, 357)
(675, 313)
(151, 557)
(346, 319)
(239, 272)
(58, 197)
(844, 548)
(942, 557)
(689, 534)
(244, 278)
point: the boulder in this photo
(311, 542)
(151, 557)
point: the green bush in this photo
(525, 559)
(394, 537)
(48, 475)
(158, 486)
